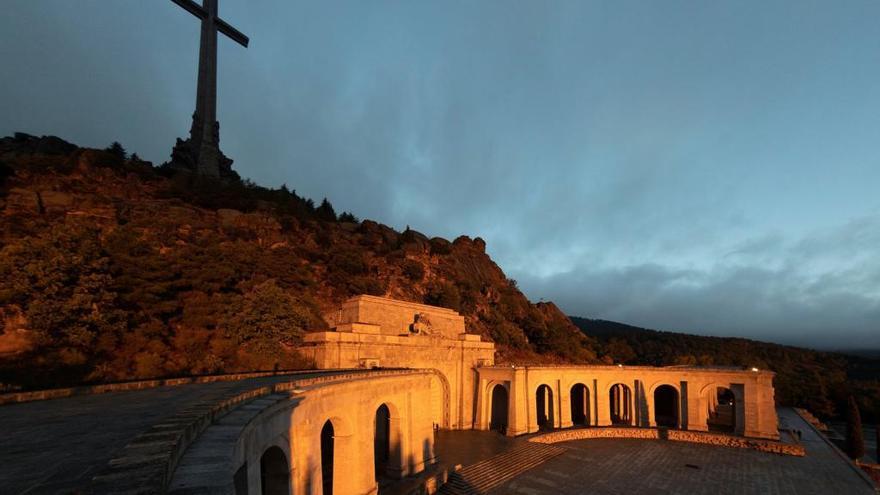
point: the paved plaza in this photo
(56, 446)
(628, 466)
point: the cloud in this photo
(697, 167)
(820, 290)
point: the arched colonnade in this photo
(526, 400)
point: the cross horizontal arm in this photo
(192, 7)
(233, 34)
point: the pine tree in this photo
(117, 150)
(348, 217)
(855, 443)
(326, 212)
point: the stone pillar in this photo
(400, 449)
(697, 418)
(565, 420)
(767, 420)
(484, 404)
(744, 408)
(520, 404)
(603, 405)
(594, 412)
(254, 479)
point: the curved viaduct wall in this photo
(754, 408)
(294, 424)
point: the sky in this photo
(705, 167)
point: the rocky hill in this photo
(114, 269)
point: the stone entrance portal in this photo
(498, 418)
(580, 404)
(327, 457)
(722, 410)
(544, 402)
(382, 440)
(666, 406)
(371, 332)
(274, 472)
(620, 397)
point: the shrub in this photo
(268, 314)
(855, 442)
(413, 270)
(440, 246)
(445, 295)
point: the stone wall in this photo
(394, 317)
(380, 338)
(674, 435)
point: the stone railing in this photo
(703, 437)
(58, 393)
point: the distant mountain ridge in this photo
(817, 380)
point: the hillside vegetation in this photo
(818, 381)
(113, 269)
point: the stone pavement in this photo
(56, 446)
(626, 466)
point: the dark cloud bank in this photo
(708, 168)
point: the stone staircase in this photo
(481, 477)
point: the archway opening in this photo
(544, 403)
(274, 472)
(382, 440)
(498, 419)
(580, 404)
(327, 447)
(722, 410)
(620, 397)
(666, 406)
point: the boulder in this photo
(22, 201)
(228, 217)
(53, 145)
(56, 201)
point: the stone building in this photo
(397, 371)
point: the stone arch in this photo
(667, 405)
(387, 440)
(723, 407)
(499, 407)
(544, 407)
(620, 403)
(579, 396)
(442, 392)
(274, 472)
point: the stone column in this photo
(603, 405)
(696, 415)
(400, 449)
(520, 404)
(484, 404)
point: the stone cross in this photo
(204, 142)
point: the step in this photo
(481, 477)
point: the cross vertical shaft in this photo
(201, 152)
(205, 128)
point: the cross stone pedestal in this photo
(201, 152)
